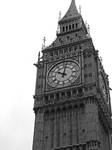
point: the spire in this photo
(72, 12)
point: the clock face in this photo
(63, 74)
(102, 85)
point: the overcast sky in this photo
(23, 24)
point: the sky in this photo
(23, 24)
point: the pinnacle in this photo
(72, 11)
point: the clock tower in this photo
(72, 100)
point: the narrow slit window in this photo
(66, 28)
(63, 29)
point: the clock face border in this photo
(69, 76)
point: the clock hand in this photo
(61, 73)
(64, 70)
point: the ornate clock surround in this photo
(76, 59)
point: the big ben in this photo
(72, 100)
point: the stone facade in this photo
(76, 116)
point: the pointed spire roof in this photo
(72, 12)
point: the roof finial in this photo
(80, 9)
(86, 23)
(58, 28)
(101, 59)
(88, 29)
(59, 16)
(44, 42)
(39, 56)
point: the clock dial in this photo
(63, 74)
(102, 85)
